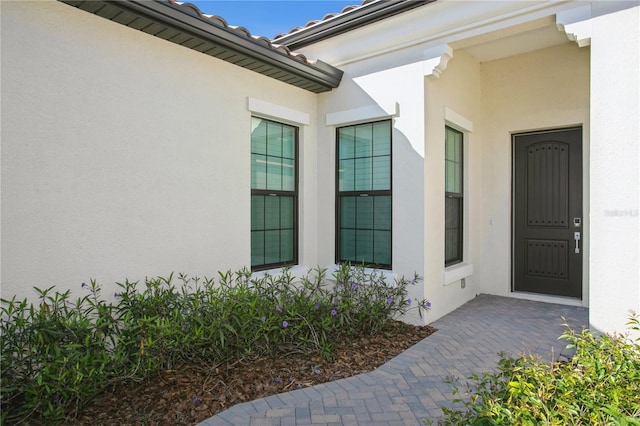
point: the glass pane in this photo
(364, 164)
(346, 175)
(456, 147)
(286, 212)
(364, 140)
(453, 160)
(381, 173)
(363, 174)
(258, 171)
(274, 139)
(346, 137)
(452, 177)
(449, 152)
(271, 247)
(452, 212)
(382, 247)
(452, 249)
(381, 138)
(257, 212)
(348, 212)
(382, 213)
(364, 246)
(364, 212)
(273, 168)
(257, 248)
(288, 142)
(258, 136)
(286, 245)
(288, 175)
(347, 244)
(274, 173)
(271, 212)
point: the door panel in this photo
(547, 212)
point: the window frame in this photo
(280, 193)
(459, 258)
(363, 193)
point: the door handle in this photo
(576, 237)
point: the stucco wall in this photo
(124, 156)
(371, 92)
(615, 179)
(544, 89)
(458, 90)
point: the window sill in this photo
(457, 272)
(388, 274)
(296, 271)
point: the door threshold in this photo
(536, 297)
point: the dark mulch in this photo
(192, 393)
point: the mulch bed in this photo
(192, 393)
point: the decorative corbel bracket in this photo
(576, 24)
(436, 59)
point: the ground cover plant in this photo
(59, 353)
(599, 385)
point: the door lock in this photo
(576, 237)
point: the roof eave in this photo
(317, 78)
(355, 18)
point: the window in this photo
(453, 196)
(364, 194)
(274, 194)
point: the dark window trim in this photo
(294, 194)
(340, 194)
(459, 195)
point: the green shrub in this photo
(58, 354)
(599, 385)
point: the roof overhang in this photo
(358, 17)
(185, 25)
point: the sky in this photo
(270, 17)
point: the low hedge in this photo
(58, 353)
(599, 385)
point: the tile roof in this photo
(240, 31)
(324, 18)
(350, 18)
(186, 25)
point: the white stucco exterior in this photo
(125, 156)
(615, 180)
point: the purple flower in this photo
(317, 306)
(333, 312)
(354, 286)
(389, 300)
(263, 319)
(285, 324)
(277, 380)
(83, 285)
(428, 304)
(196, 399)
(291, 378)
(409, 301)
(278, 308)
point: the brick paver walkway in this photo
(410, 388)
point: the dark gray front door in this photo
(547, 212)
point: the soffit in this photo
(515, 40)
(185, 25)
